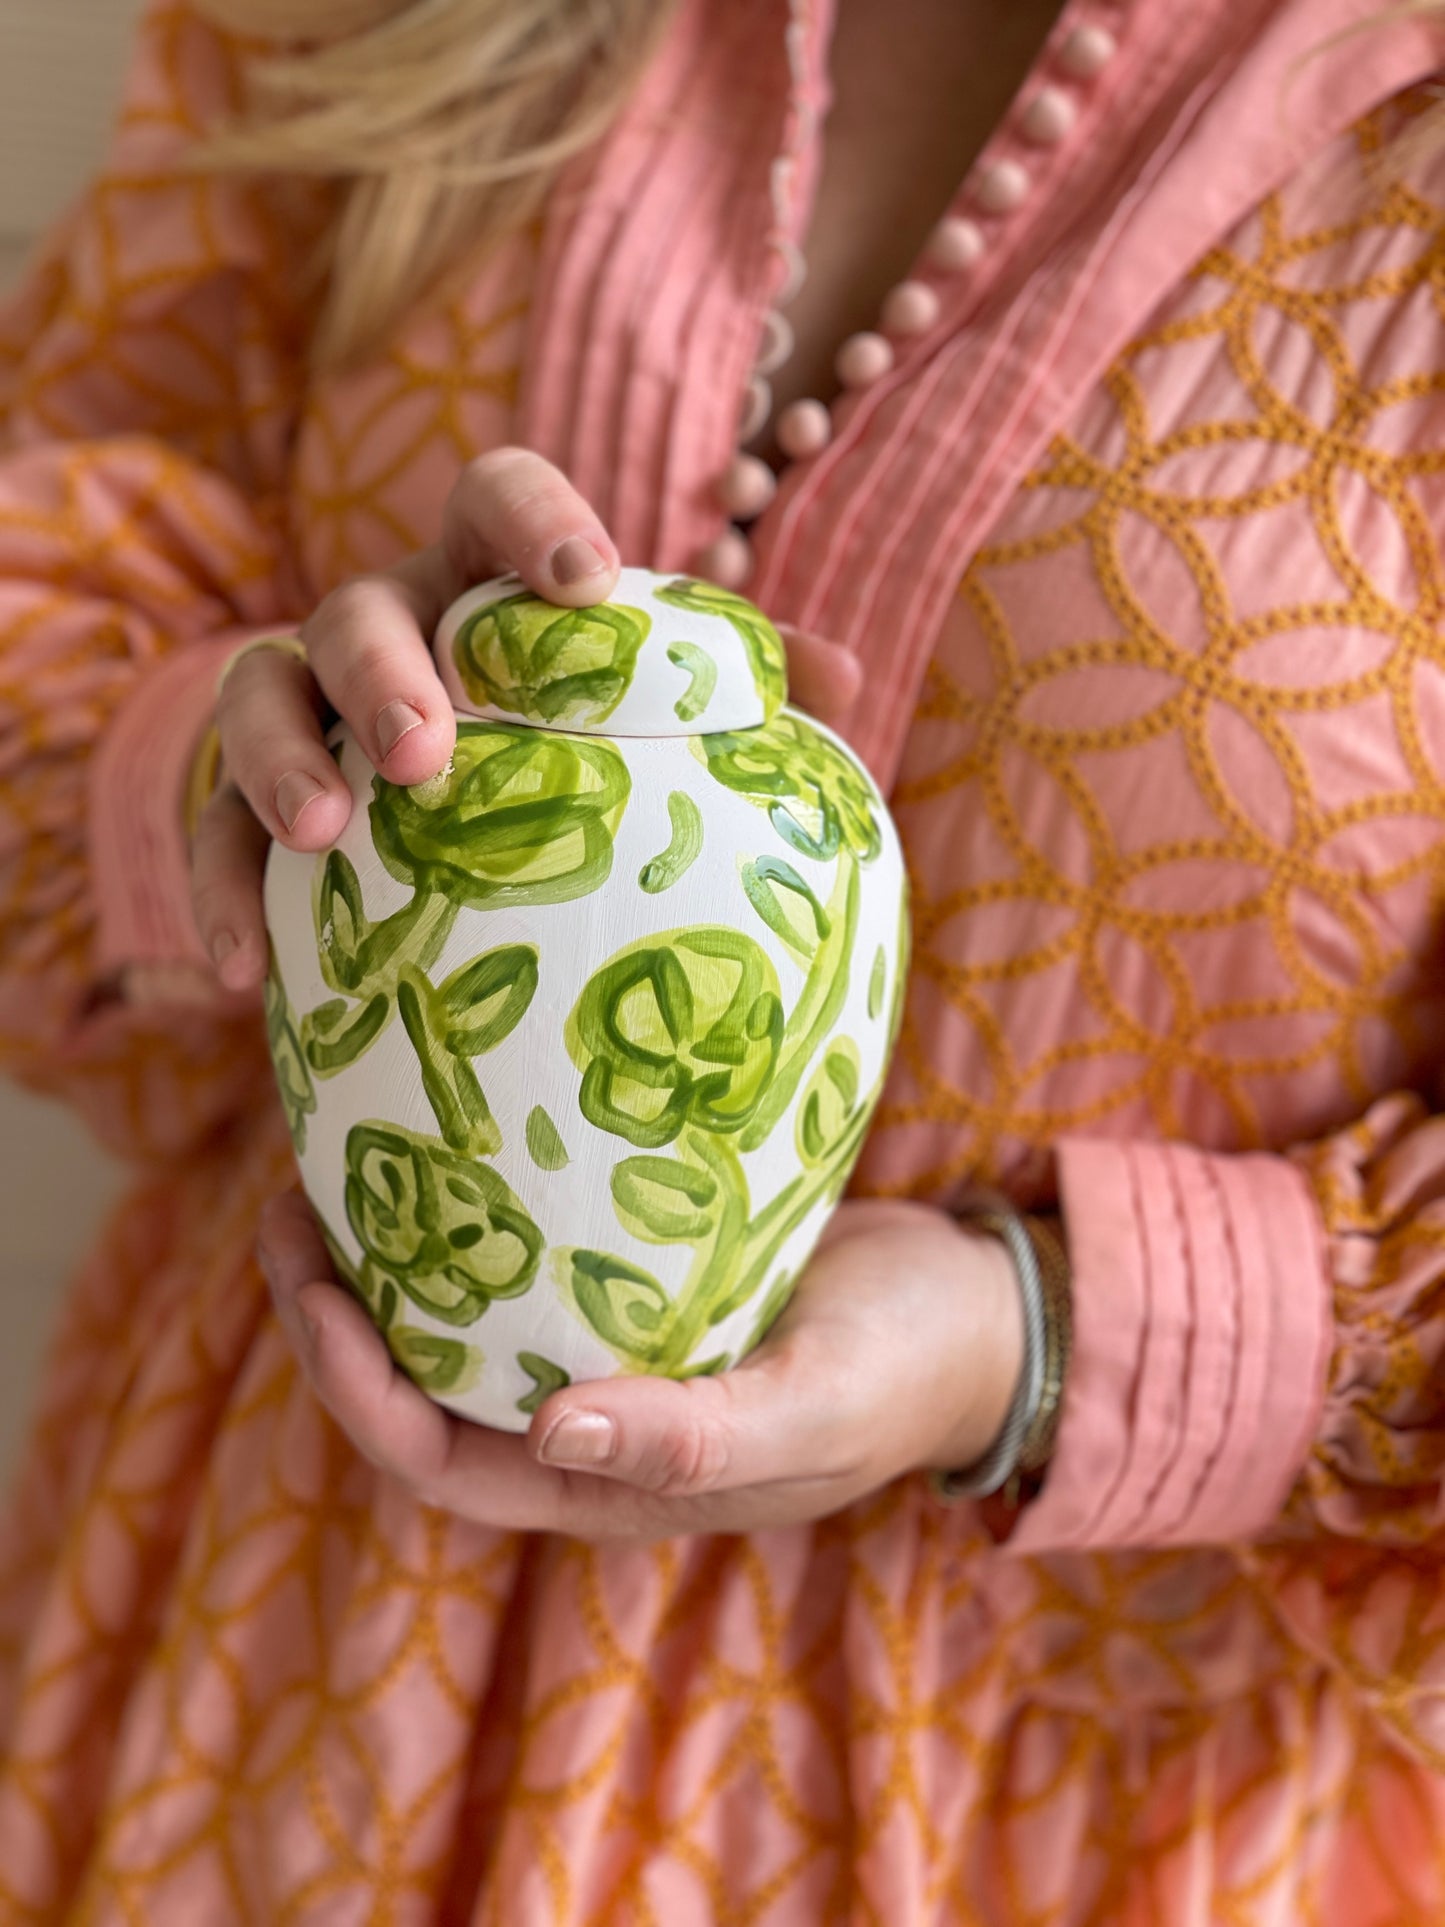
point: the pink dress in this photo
(1139, 550)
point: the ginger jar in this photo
(579, 1042)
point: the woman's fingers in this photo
(512, 510)
(228, 857)
(823, 677)
(273, 751)
(367, 646)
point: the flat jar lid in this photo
(665, 655)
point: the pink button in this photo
(804, 428)
(1087, 51)
(911, 308)
(1001, 188)
(1048, 117)
(955, 244)
(728, 561)
(795, 271)
(777, 343)
(747, 486)
(756, 409)
(863, 359)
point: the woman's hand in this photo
(900, 1349)
(368, 655)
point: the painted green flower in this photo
(523, 816)
(817, 798)
(551, 665)
(446, 1228)
(435, 1363)
(766, 655)
(678, 1029)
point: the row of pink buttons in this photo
(805, 428)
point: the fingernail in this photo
(398, 719)
(292, 794)
(574, 560)
(579, 1438)
(222, 944)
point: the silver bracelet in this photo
(997, 1218)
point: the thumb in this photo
(680, 1438)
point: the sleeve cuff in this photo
(1202, 1333)
(139, 859)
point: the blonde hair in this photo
(440, 124)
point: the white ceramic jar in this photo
(579, 1043)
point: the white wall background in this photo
(61, 63)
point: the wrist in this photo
(995, 1347)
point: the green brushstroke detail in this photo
(876, 980)
(700, 1198)
(681, 1028)
(828, 1102)
(763, 646)
(445, 1228)
(525, 816)
(546, 1379)
(824, 992)
(544, 1141)
(435, 1363)
(293, 1075)
(681, 853)
(703, 670)
(786, 904)
(817, 798)
(520, 818)
(551, 665)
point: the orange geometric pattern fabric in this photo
(1180, 753)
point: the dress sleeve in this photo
(150, 375)
(1260, 1361)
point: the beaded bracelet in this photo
(1026, 1439)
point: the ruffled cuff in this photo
(1202, 1335)
(139, 859)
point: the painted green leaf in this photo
(485, 1000)
(786, 904)
(763, 646)
(818, 799)
(703, 671)
(293, 1075)
(829, 1099)
(681, 853)
(445, 1227)
(435, 1363)
(551, 665)
(546, 1379)
(524, 816)
(680, 1028)
(824, 992)
(544, 1141)
(451, 1085)
(336, 1033)
(665, 1200)
(876, 981)
(626, 1306)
